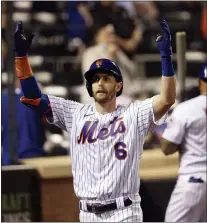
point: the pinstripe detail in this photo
(98, 174)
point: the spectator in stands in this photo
(129, 35)
(30, 129)
(79, 21)
(105, 46)
(194, 8)
(147, 12)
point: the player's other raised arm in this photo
(166, 98)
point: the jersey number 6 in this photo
(120, 152)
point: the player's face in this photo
(104, 87)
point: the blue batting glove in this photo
(164, 40)
(21, 43)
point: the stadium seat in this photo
(36, 60)
(4, 78)
(21, 16)
(45, 17)
(22, 5)
(44, 77)
(56, 90)
(56, 145)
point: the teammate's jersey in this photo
(105, 149)
(188, 126)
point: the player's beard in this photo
(104, 97)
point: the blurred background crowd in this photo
(70, 35)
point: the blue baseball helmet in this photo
(106, 66)
(203, 73)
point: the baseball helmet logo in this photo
(99, 63)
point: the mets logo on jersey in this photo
(116, 126)
(99, 63)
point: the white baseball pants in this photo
(188, 201)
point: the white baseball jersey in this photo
(188, 127)
(105, 149)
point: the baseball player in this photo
(106, 138)
(187, 129)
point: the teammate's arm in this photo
(173, 135)
(168, 147)
(166, 98)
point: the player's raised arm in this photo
(53, 107)
(166, 98)
(33, 96)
